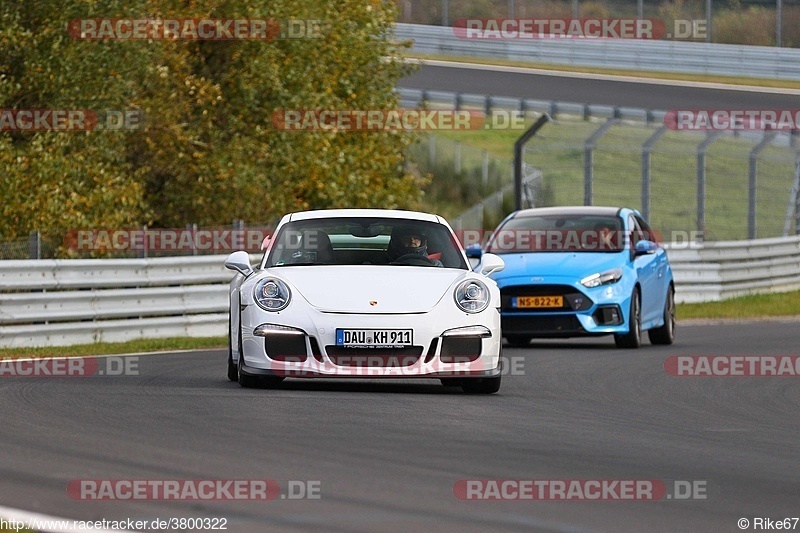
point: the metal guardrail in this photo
(664, 56)
(78, 301)
(721, 270)
(85, 301)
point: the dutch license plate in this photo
(374, 338)
(538, 302)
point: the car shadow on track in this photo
(431, 386)
(567, 344)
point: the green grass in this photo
(108, 348)
(756, 305)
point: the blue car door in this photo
(647, 271)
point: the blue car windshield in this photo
(559, 233)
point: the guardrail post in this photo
(647, 149)
(457, 157)
(35, 245)
(487, 107)
(752, 207)
(588, 159)
(701, 183)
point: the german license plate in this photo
(537, 302)
(374, 338)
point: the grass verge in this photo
(752, 306)
(109, 348)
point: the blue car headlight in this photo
(271, 294)
(602, 278)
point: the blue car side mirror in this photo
(645, 248)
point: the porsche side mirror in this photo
(491, 263)
(239, 261)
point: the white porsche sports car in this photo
(364, 293)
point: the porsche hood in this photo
(371, 289)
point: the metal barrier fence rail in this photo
(665, 56)
(63, 302)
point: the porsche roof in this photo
(371, 213)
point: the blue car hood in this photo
(573, 265)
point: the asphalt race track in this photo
(387, 454)
(642, 94)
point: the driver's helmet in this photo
(406, 240)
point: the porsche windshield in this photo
(559, 233)
(365, 241)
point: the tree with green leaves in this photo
(206, 152)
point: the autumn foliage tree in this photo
(207, 152)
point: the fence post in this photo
(519, 146)
(797, 200)
(588, 159)
(35, 245)
(457, 157)
(485, 168)
(794, 196)
(192, 229)
(752, 207)
(702, 148)
(143, 252)
(647, 149)
(431, 150)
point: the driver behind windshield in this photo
(410, 246)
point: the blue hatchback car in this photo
(582, 271)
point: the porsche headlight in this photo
(472, 296)
(272, 294)
(602, 278)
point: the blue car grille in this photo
(574, 300)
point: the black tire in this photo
(666, 333)
(520, 341)
(245, 380)
(481, 385)
(632, 339)
(233, 371)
